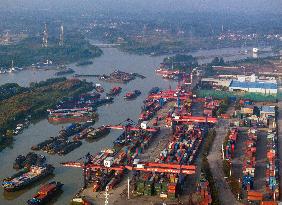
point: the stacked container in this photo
(230, 145)
(249, 161)
(272, 170)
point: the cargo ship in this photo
(46, 193)
(82, 63)
(26, 177)
(114, 91)
(71, 115)
(132, 95)
(64, 72)
(99, 132)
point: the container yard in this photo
(158, 156)
(163, 174)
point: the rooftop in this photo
(264, 85)
(267, 109)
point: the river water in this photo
(110, 114)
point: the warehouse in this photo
(254, 87)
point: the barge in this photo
(46, 193)
(26, 177)
(114, 91)
(132, 95)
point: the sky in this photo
(249, 6)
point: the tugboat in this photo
(154, 90)
(26, 177)
(99, 88)
(45, 193)
(114, 91)
(132, 95)
(99, 132)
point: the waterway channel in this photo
(110, 114)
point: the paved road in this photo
(226, 197)
(280, 142)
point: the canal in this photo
(110, 114)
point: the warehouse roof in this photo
(263, 85)
(267, 109)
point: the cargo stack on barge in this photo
(27, 161)
(118, 77)
(26, 177)
(60, 144)
(46, 193)
(98, 132)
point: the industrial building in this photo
(254, 87)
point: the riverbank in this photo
(36, 99)
(30, 51)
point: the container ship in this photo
(46, 193)
(26, 177)
(99, 132)
(114, 91)
(132, 95)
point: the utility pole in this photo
(128, 188)
(107, 195)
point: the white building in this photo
(254, 87)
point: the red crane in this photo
(188, 119)
(131, 128)
(145, 167)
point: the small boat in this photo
(132, 95)
(114, 91)
(45, 193)
(99, 88)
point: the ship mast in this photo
(45, 37)
(61, 42)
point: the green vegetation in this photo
(10, 89)
(251, 61)
(30, 51)
(36, 99)
(257, 97)
(180, 62)
(205, 167)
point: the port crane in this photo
(129, 125)
(141, 166)
(187, 119)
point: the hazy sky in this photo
(153, 5)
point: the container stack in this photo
(203, 195)
(249, 161)
(230, 145)
(272, 170)
(211, 106)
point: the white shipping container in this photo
(108, 162)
